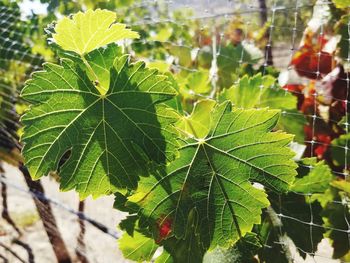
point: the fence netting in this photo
(285, 48)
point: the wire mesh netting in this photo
(289, 55)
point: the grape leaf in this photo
(337, 216)
(261, 91)
(84, 32)
(229, 61)
(165, 257)
(341, 185)
(341, 28)
(214, 176)
(188, 249)
(315, 180)
(99, 60)
(194, 83)
(109, 137)
(163, 34)
(137, 247)
(338, 148)
(198, 123)
(293, 122)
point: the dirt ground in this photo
(100, 247)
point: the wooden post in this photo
(46, 214)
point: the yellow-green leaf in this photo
(87, 31)
(198, 123)
(137, 247)
(342, 3)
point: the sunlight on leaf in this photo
(87, 31)
(198, 123)
(137, 247)
(111, 138)
(315, 179)
(213, 176)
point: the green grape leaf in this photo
(109, 138)
(84, 32)
(230, 61)
(182, 53)
(99, 60)
(162, 35)
(198, 82)
(214, 177)
(188, 249)
(337, 217)
(339, 153)
(194, 85)
(161, 65)
(293, 122)
(231, 56)
(128, 224)
(165, 257)
(341, 28)
(198, 123)
(316, 180)
(259, 91)
(137, 247)
(341, 185)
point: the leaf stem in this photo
(97, 82)
(192, 129)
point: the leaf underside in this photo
(109, 138)
(213, 177)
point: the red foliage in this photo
(310, 61)
(308, 106)
(321, 142)
(337, 110)
(341, 86)
(296, 90)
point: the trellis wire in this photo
(63, 206)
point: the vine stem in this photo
(263, 20)
(81, 247)
(277, 226)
